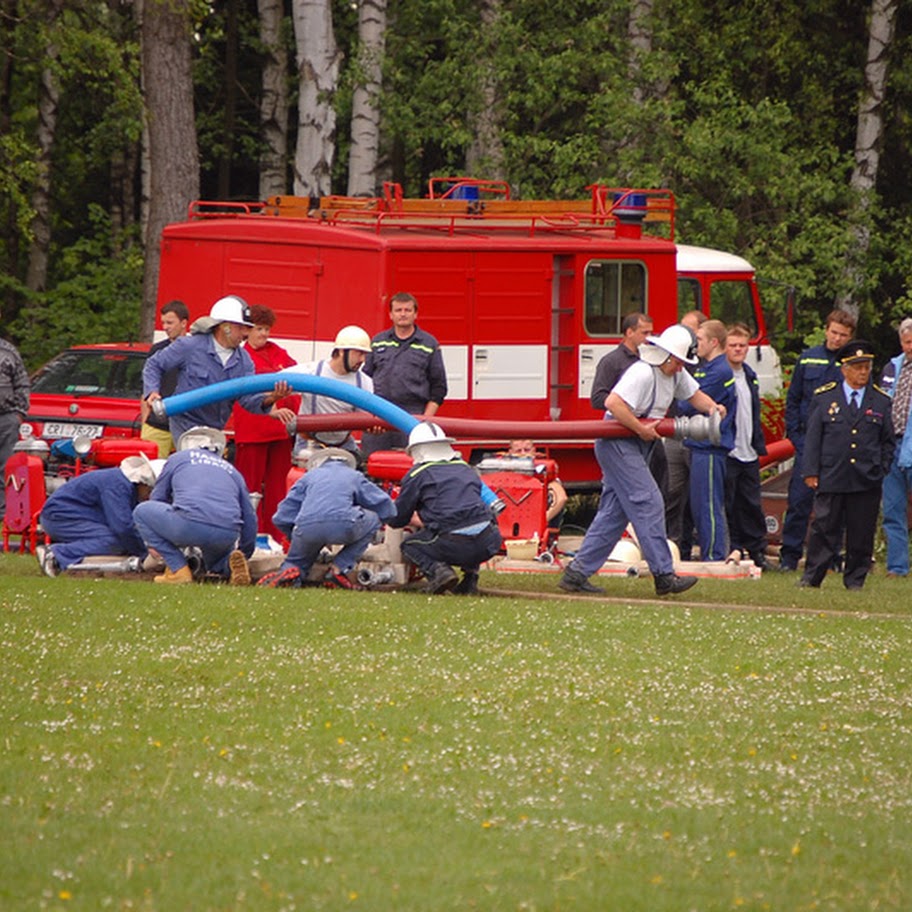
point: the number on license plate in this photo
(64, 429)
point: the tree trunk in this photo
(173, 156)
(229, 113)
(868, 142)
(485, 155)
(365, 126)
(48, 100)
(274, 103)
(318, 73)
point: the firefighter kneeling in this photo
(457, 526)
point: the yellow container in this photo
(523, 549)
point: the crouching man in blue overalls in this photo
(330, 504)
(629, 492)
(200, 501)
(457, 527)
(93, 514)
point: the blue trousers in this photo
(896, 488)
(74, 539)
(707, 502)
(308, 539)
(427, 549)
(797, 514)
(167, 531)
(629, 494)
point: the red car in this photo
(90, 390)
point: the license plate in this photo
(64, 429)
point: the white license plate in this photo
(64, 429)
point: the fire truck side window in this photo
(614, 288)
(732, 302)
(690, 296)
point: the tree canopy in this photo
(748, 112)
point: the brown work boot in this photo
(240, 571)
(178, 577)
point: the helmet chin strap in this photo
(345, 360)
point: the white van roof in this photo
(704, 259)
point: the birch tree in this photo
(173, 158)
(274, 101)
(365, 123)
(318, 62)
(485, 154)
(868, 142)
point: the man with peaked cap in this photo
(210, 354)
(93, 514)
(848, 451)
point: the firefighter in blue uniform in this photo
(457, 526)
(848, 451)
(816, 366)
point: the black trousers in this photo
(744, 509)
(426, 549)
(857, 513)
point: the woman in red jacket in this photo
(262, 445)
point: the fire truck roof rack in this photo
(464, 204)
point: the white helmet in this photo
(231, 309)
(428, 443)
(353, 337)
(203, 438)
(677, 340)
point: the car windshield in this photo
(92, 373)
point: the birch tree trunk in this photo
(318, 62)
(868, 142)
(274, 102)
(485, 154)
(48, 101)
(365, 126)
(174, 179)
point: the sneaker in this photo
(574, 581)
(468, 585)
(290, 577)
(443, 579)
(334, 580)
(240, 571)
(672, 584)
(47, 561)
(177, 577)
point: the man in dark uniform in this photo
(407, 368)
(457, 527)
(816, 366)
(847, 453)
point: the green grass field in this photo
(209, 748)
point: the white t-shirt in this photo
(312, 404)
(649, 392)
(744, 419)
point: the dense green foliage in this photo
(746, 111)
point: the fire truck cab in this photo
(523, 296)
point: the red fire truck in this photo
(524, 296)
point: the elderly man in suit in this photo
(848, 451)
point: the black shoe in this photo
(334, 580)
(806, 584)
(443, 579)
(574, 581)
(672, 584)
(468, 585)
(290, 577)
(787, 568)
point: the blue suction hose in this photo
(302, 383)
